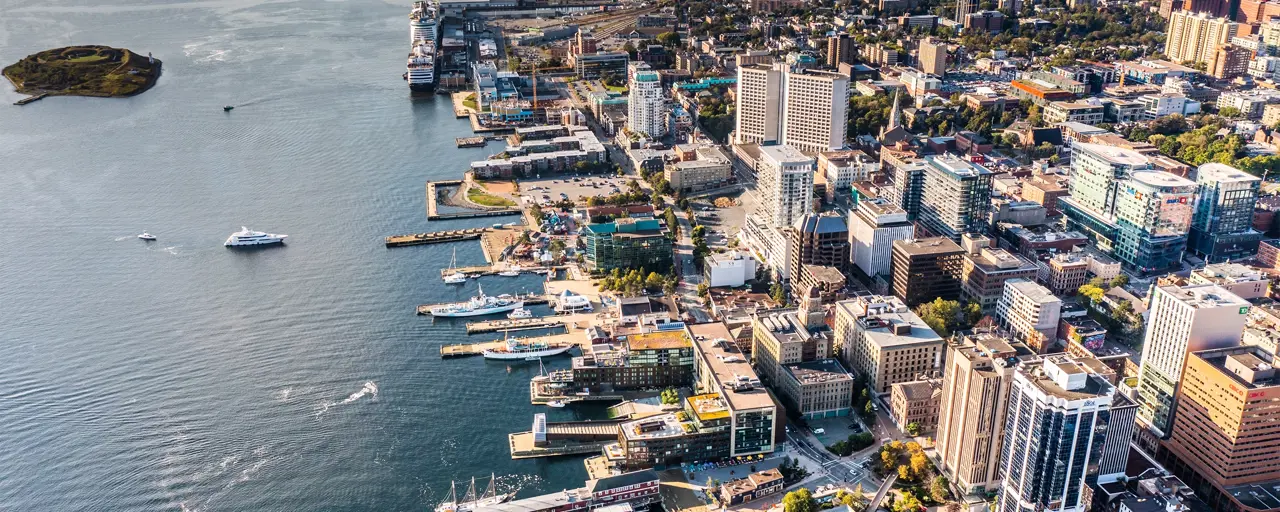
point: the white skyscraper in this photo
(873, 227)
(806, 109)
(1181, 320)
(1029, 310)
(1058, 421)
(785, 185)
(645, 113)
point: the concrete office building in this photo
(883, 340)
(819, 255)
(907, 175)
(1244, 281)
(924, 269)
(807, 109)
(1057, 425)
(955, 197)
(873, 228)
(1196, 37)
(971, 413)
(646, 112)
(933, 57)
(1223, 437)
(1182, 319)
(1222, 227)
(985, 270)
(787, 336)
(1136, 215)
(817, 389)
(758, 116)
(1030, 313)
(724, 370)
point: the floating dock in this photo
(31, 99)
(435, 237)
(529, 300)
(470, 142)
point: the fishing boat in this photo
(454, 277)
(556, 403)
(227, 108)
(470, 502)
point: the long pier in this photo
(31, 99)
(475, 349)
(435, 237)
(529, 300)
(520, 324)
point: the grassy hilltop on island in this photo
(91, 70)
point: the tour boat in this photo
(479, 305)
(511, 271)
(520, 313)
(556, 403)
(527, 350)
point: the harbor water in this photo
(180, 375)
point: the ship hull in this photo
(528, 354)
(430, 87)
(442, 312)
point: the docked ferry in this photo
(479, 305)
(420, 71)
(527, 350)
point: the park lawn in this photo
(617, 88)
(470, 102)
(483, 198)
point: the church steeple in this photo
(893, 115)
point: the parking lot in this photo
(835, 429)
(556, 188)
(722, 224)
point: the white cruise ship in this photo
(527, 350)
(479, 305)
(423, 23)
(421, 69)
(246, 237)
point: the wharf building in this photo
(973, 407)
(955, 197)
(1030, 313)
(723, 370)
(803, 108)
(986, 269)
(1058, 428)
(873, 228)
(881, 339)
(1139, 216)
(786, 336)
(1181, 320)
(652, 360)
(924, 269)
(635, 490)
(819, 255)
(1222, 228)
(700, 434)
(544, 150)
(627, 244)
(1223, 438)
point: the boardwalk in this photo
(434, 237)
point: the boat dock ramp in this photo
(435, 237)
(31, 99)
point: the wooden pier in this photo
(435, 237)
(475, 349)
(529, 300)
(519, 324)
(470, 142)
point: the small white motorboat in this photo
(512, 271)
(556, 403)
(520, 313)
(147, 236)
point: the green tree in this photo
(669, 39)
(1120, 280)
(670, 396)
(703, 290)
(908, 503)
(1094, 293)
(913, 429)
(800, 500)
(653, 281)
(1229, 112)
(778, 294)
(972, 313)
(939, 489)
(941, 315)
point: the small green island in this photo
(91, 70)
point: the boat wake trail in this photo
(370, 389)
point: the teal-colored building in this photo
(627, 244)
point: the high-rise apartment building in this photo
(1222, 227)
(906, 172)
(785, 185)
(820, 255)
(884, 341)
(1182, 319)
(1223, 441)
(1196, 37)
(933, 56)
(1059, 414)
(955, 197)
(964, 8)
(815, 110)
(873, 228)
(1230, 61)
(841, 49)
(804, 108)
(645, 112)
(1139, 216)
(758, 115)
(971, 416)
(924, 269)
(986, 269)
(1030, 313)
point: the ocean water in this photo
(179, 375)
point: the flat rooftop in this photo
(1112, 154)
(1223, 173)
(1093, 385)
(1162, 179)
(818, 372)
(928, 246)
(659, 340)
(956, 166)
(1205, 296)
(708, 406)
(729, 365)
(1032, 290)
(888, 322)
(784, 154)
(653, 427)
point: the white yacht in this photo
(421, 69)
(520, 313)
(570, 302)
(511, 271)
(147, 236)
(454, 277)
(247, 237)
(527, 350)
(481, 304)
